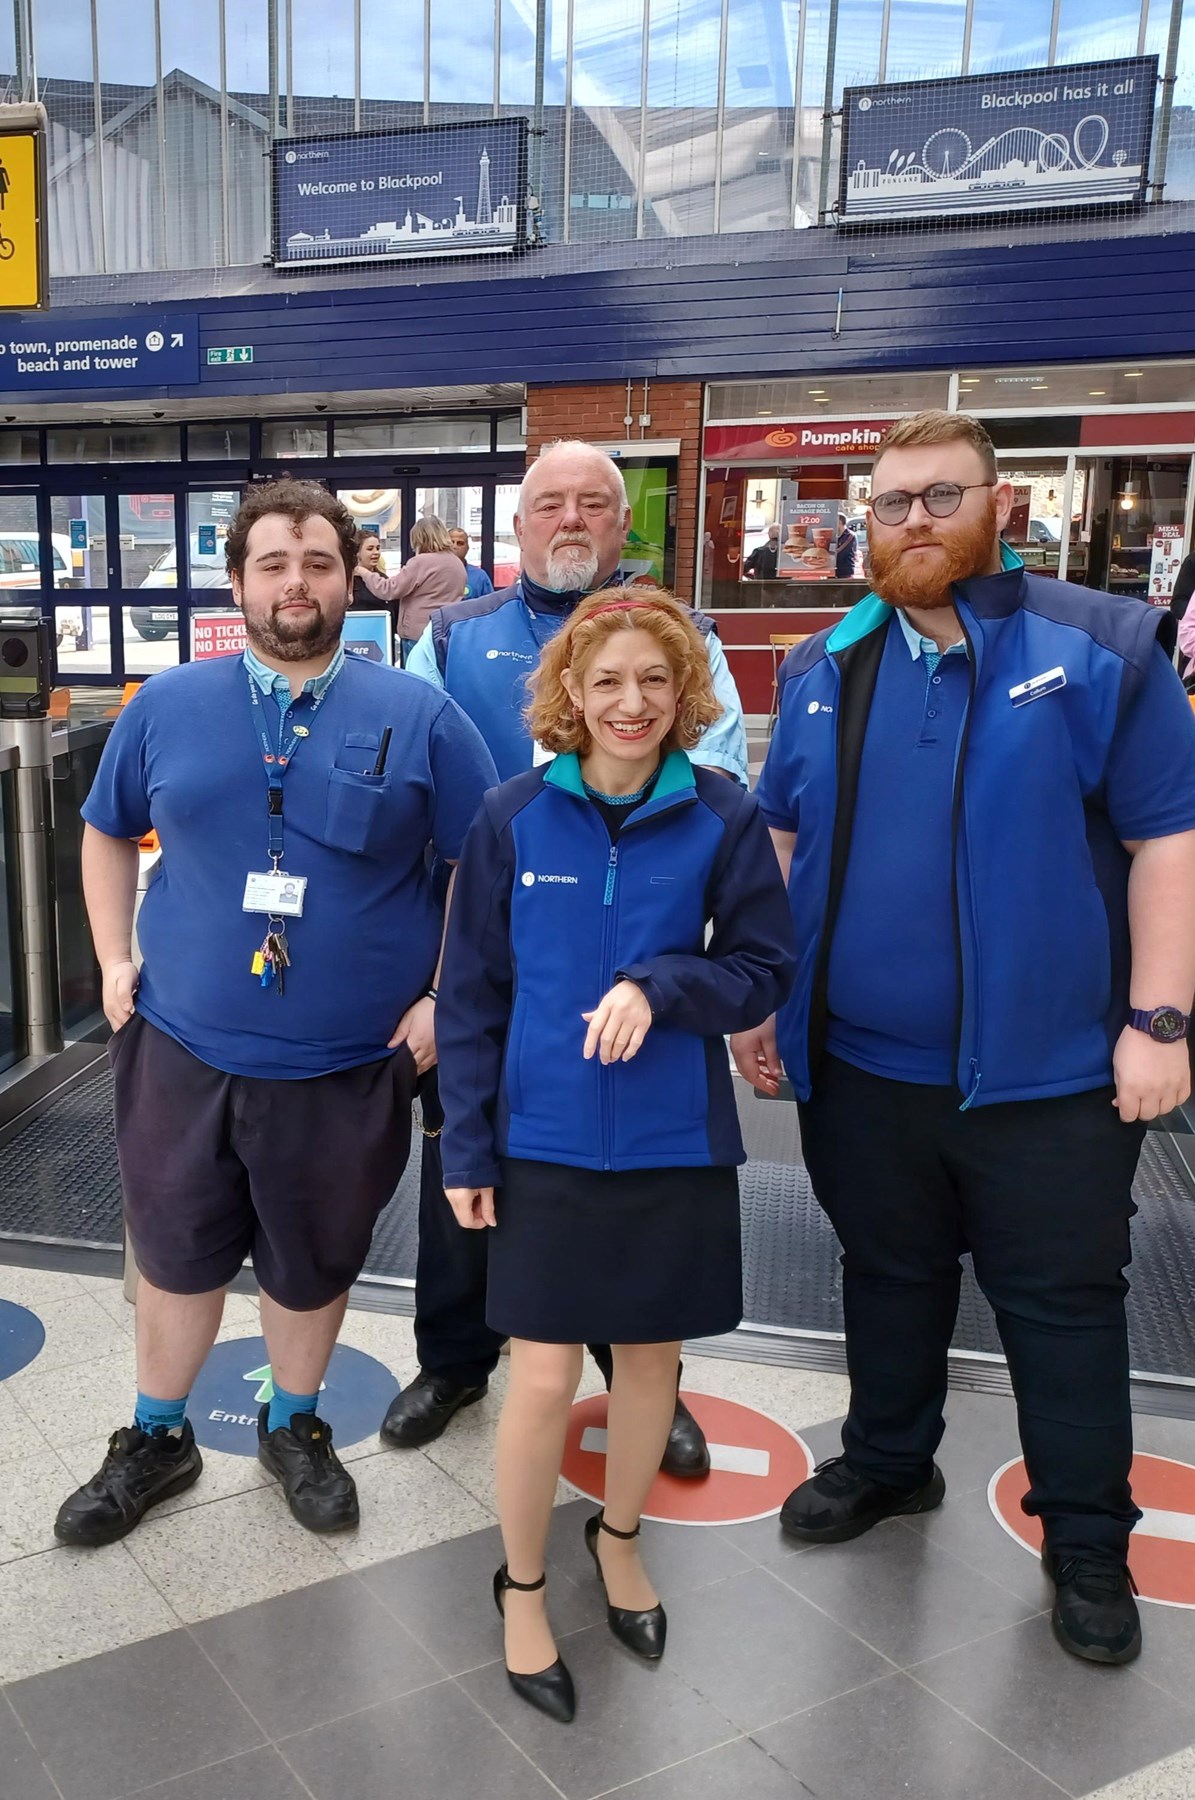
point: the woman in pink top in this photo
(434, 577)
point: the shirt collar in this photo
(316, 685)
(923, 646)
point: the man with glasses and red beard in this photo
(571, 522)
(981, 789)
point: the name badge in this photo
(539, 755)
(1049, 683)
(275, 893)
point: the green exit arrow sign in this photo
(230, 353)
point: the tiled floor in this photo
(221, 1653)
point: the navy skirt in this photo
(586, 1256)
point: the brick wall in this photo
(596, 411)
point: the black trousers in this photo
(451, 1335)
(1040, 1193)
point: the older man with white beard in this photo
(571, 522)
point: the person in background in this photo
(369, 562)
(847, 563)
(1180, 606)
(761, 564)
(479, 582)
(981, 787)
(266, 1053)
(571, 521)
(432, 578)
(590, 1119)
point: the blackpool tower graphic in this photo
(485, 211)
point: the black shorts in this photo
(218, 1167)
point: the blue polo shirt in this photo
(893, 978)
(184, 758)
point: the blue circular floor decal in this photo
(22, 1335)
(234, 1384)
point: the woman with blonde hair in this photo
(434, 577)
(590, 1115)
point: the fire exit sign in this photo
(231, 353)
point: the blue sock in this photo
(284, 1406)
(167, 1413)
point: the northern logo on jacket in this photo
(510, 655)
(529, 879)
(818, 706)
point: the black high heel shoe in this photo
(642, 1632)
(551, 1691)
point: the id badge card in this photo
(540, 756)
(274, 892)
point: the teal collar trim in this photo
(676, 776)
(871, 612)
(267, 679)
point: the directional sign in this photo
(1162, 1547)
(133, 349)
(22, 1335)
(232, 353)
(23, 222)
(235, 1383)
(755, 1463)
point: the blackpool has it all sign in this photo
(1076, 135)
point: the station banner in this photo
(1076, 135)
(385, 196)
(220, 631)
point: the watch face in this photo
(1168, 1025)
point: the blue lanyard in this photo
(277, 762)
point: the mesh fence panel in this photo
(659, 130)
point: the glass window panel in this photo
(321, 45)
(368, 436)
(194, 224)
(77, 443)
(838, 396)
(761, 54)
(133, 213)
(246, 38)
(84, 638)
(20, 556)
(63, 35)
(18, 447)
(506, 546)
(146, 540)
(462, 70)
(150, 638)
(79, 530)
(925, 38)
(1095, 30)
(511, 435)
(284, 438)
(518, 53)
(378, 510)
(210, 511)
(8, 58)
(857, 51)
(217, 442)
(1010, 34)
(1082, 387)
(392, 55)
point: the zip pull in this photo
(611, 871)
(976, 1078)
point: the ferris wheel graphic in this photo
(946, 151)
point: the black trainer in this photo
(1095, 1615)
(321, 1493)
(419, 1414)
(686, 1453)
(838, 1503)
(140, 1469)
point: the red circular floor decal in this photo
(755, 1464)
(1162, 1547)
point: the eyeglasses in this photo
(939, 501)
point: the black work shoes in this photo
(140, 1469)
(419, 1414)
(1095, 1614)
(319, 1490)
(838, 1503)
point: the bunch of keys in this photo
(271, 962)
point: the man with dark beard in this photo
(982, 792)
(266, 1053)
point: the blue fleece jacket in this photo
(547, 915)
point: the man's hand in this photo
(1151, 1078)
(121, 981)
(417, 1030)
(756, 1057)
(619, 1023)
(474, 1207)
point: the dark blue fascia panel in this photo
(902, 307)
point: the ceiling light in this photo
(1096, 392)
(1132, 374)
(1039, 387)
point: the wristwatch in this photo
(1165, 1024)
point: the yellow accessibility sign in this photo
(22, 219)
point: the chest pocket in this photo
(356, 817)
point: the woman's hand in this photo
(474, 1207)
(619, 1023)
(417, 1029)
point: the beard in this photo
(296, 640)
(568, 574)
(926, 581)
